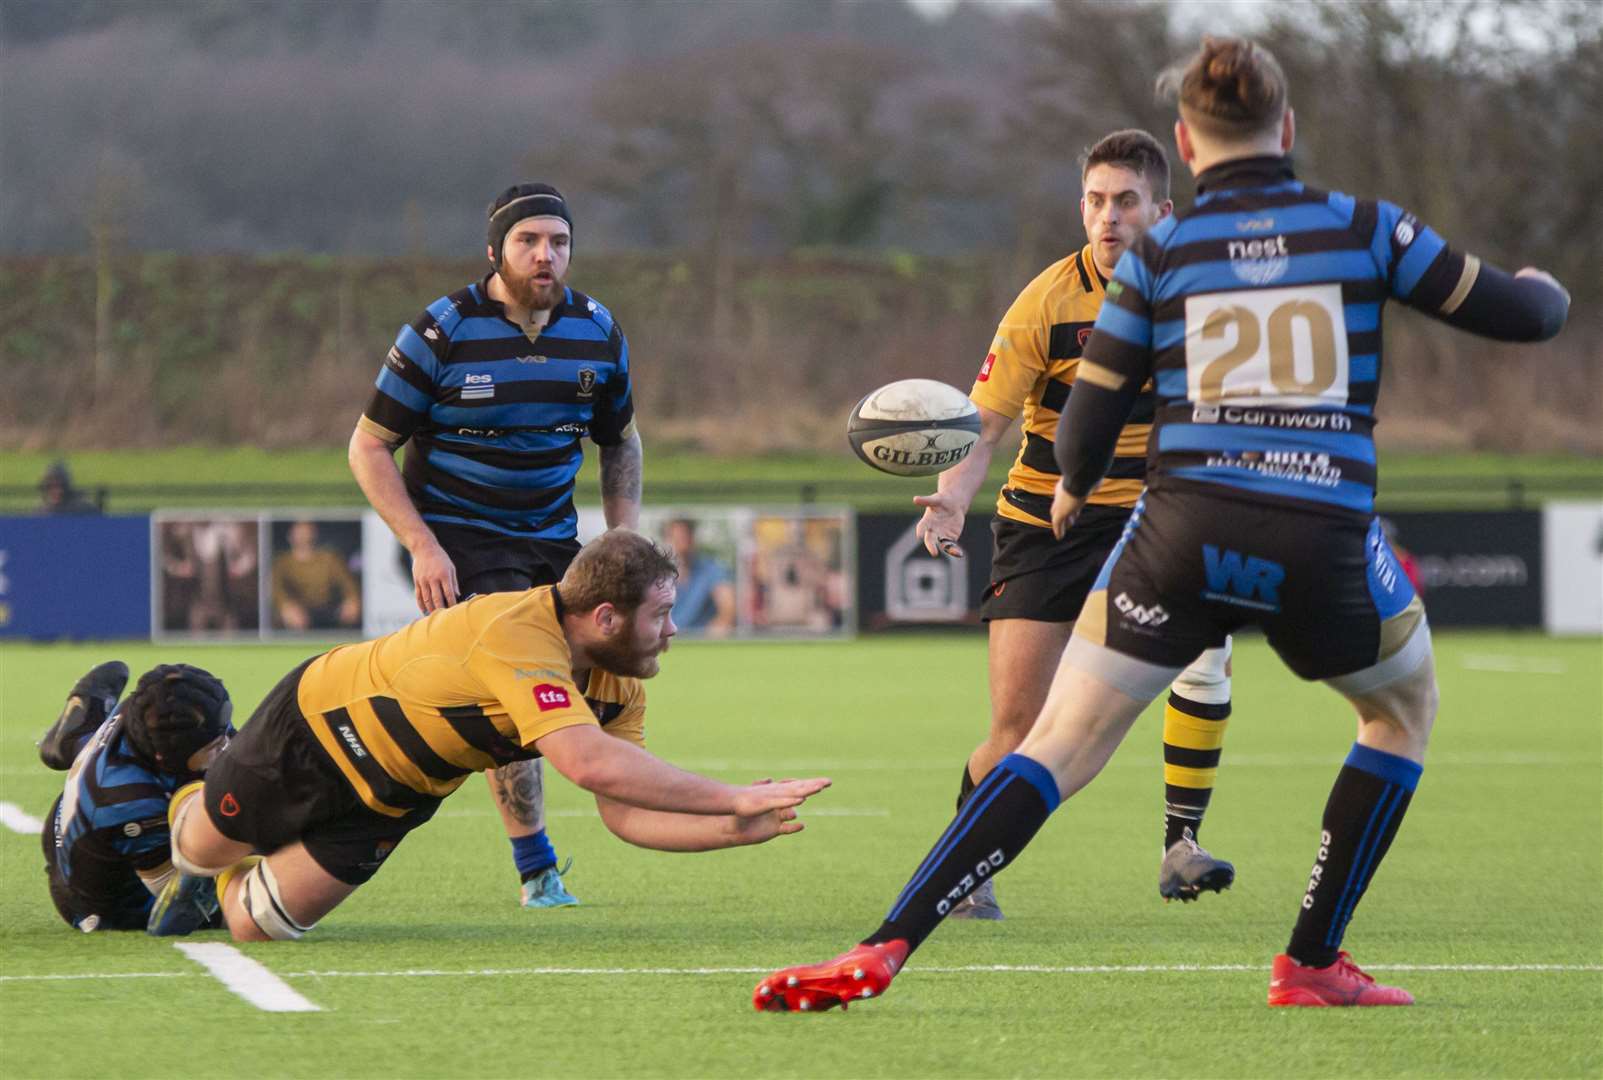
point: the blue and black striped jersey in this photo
(1258, 316)
(110, 823)
(495, 416)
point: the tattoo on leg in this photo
(519, 787)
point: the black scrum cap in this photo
(524, 201)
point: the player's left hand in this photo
(1065, 508)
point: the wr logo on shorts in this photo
(549, 696)
(1246, 581)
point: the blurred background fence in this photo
(219, 212)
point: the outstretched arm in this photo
(941, 527)
(662, 831)
(617, 770)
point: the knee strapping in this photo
(180, 813)
(1207, 680)
(266, 907)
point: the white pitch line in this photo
(246, 977)
(969, 969)
(19, 820)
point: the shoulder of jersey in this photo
(597, 312)
(447, 311)
(1060, 277)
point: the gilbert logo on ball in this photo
(914, 427)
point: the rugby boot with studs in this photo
(859, 973)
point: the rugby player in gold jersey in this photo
(357, 747)
(1038, 583)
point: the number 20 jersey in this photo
(1258, 316)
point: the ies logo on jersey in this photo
(549, 696)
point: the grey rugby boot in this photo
(979, 904)
(1188, 869)
(91, 701)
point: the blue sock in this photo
(533, 854)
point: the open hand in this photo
(941, 525)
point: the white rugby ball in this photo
(914, 427)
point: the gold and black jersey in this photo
(406, 717)
(1031, 369)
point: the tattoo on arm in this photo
(620, 470)
(519, 786)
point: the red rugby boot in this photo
(861, 972)
(1342, 983)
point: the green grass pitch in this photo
(1489, 908)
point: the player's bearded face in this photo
(634, 648)
(534, 262)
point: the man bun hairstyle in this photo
(620, 567)
(1230, 89)
(1135, 150)
(523, 201)
(175, 710)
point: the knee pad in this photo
(265, 906)
(1207, 680)
(185, 799)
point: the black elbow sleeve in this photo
(1088, 434)
(1509, 308)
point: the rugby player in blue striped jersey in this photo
(493, 388)
(107, 848)
(1257, 315)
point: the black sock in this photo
(1366, 805)
(1193, 733)
(966, 788)
(993, 827)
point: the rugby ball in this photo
(914, 427)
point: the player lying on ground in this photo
(105, 838)
(1039, 581)
(357, 747)
(1259, 509)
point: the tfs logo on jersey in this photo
(550, 696)
(985, 368)
(1247, 581)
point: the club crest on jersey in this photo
(549, 696)
(1084, 335)
(587, 381)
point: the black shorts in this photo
(1036, 576)
(275, 785)
(492, 562)
(1194, 566)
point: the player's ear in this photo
(1165, 208)
(1288, 130)
(607, 618)
(1182, 142)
